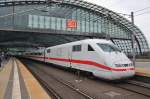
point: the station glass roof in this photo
(104, 23)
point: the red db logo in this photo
(71, 23)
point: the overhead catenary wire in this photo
(143, 13)
(142, 9)
(135, 12)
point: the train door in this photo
(76, 55)
(69, 56)
(44, 52)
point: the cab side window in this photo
(90, 48)
(76, 48)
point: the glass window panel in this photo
(76, 48)
(53, 22)
(99, 27)
(41, 22)
(87, 27)
(48, 50)
(78, 25)
(95, 27)
(58, 24)
(91, 26)
(47, 22)
(90, 48)
(30, 21)
(63, 24)
(35, 21)
(83, 26)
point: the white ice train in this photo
(100, 57)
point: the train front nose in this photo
(123, 70)
(123, 67)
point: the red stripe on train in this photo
(88, 63)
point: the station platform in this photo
(16, 82)
(142, 68)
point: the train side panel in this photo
(59, 56)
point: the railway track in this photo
(136, 87)
(57, 87)
(139, 83)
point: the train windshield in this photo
(108, 47)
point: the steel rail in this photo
(139, 83)
(134, 87)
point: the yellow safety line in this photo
(16, 93)
(35, 90)
(142, 72)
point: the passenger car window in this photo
(39, 53)
(48, 50)
(90, 48)
(76, 48)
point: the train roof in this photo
(89, 41)
(96, 41)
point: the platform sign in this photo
(71, 23)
